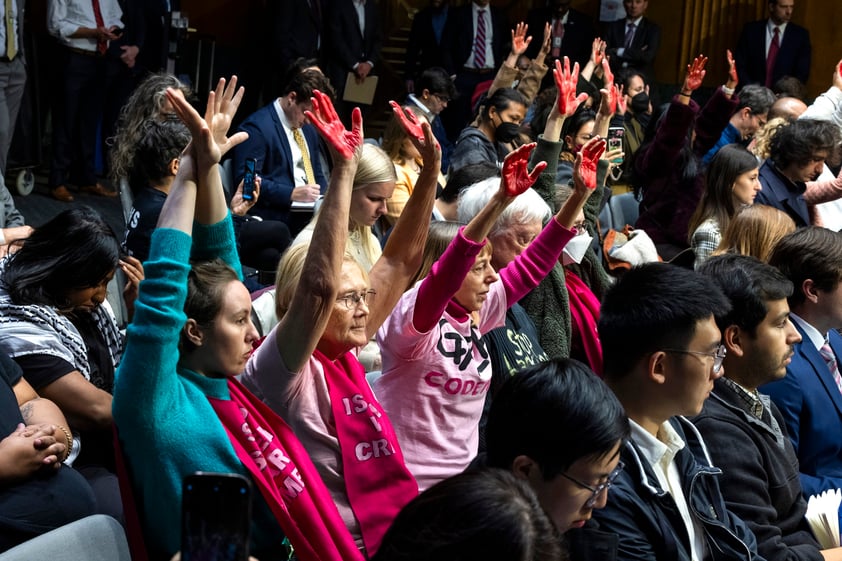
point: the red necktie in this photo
(101, 46)
(479, 44)
(558, 35)
(774, 47)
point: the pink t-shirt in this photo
(302, 399)
(434, 384)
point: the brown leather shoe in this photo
(99, 190)
(62, 194)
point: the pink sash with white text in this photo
(377, 481)
(286, 477)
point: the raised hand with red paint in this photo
(566, 81)
(344, 143)
(695, 74)
(584, 169)
(419, 132)
(520, 42)
(516, 176)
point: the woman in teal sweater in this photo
(176, 405)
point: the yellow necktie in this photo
(11, 49)
(305, 155)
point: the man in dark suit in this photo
(473, 50)
(572, 32)
(287, 151)
(633, 42)
(810, 396)
(424, 49)
(352, 43)
(796, 156)
(774, 44)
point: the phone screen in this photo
(248, 179)
(615, 141)
(215, 517)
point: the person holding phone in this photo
(285, 148)
(177, 406)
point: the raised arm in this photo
(213, 232)
(401, 257)
(530, 267)
(450, 270)
(302, 326)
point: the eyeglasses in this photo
(353, 299)
(442, 98)
(597, 491)
(718, 356)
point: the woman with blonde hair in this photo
(755, 231)
(374, 184)
(408, 163)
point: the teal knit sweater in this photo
(166, 424)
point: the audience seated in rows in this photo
(743, 429)
(661, 362)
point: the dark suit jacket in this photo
(295, 31)
(577, 40)
(644, 47)
(811, 405)
(459, 37)
(793, 57)
(783, 194)
(267, 143)
(422, 50)
(344, 45)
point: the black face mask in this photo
(640, 103)
(506, 132)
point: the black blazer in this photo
(422, 50)
(644, 47)
(295, 30)
(343, 44)
(458, 37)
(783, 194)
(578, 35)
(793, 57)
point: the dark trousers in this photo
(77, 112)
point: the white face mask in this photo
(576, 248)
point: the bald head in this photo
(790, 108)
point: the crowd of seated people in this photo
(443, 366)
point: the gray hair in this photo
(526, 208)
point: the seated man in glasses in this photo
(745, 432)
(558, 427)
(663, 352)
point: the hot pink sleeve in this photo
(537, 260)
(443, 281)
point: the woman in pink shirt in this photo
(435, 368)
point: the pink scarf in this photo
(584, 315)
(376, 479)
(286, 477)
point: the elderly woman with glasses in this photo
(329, 307)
